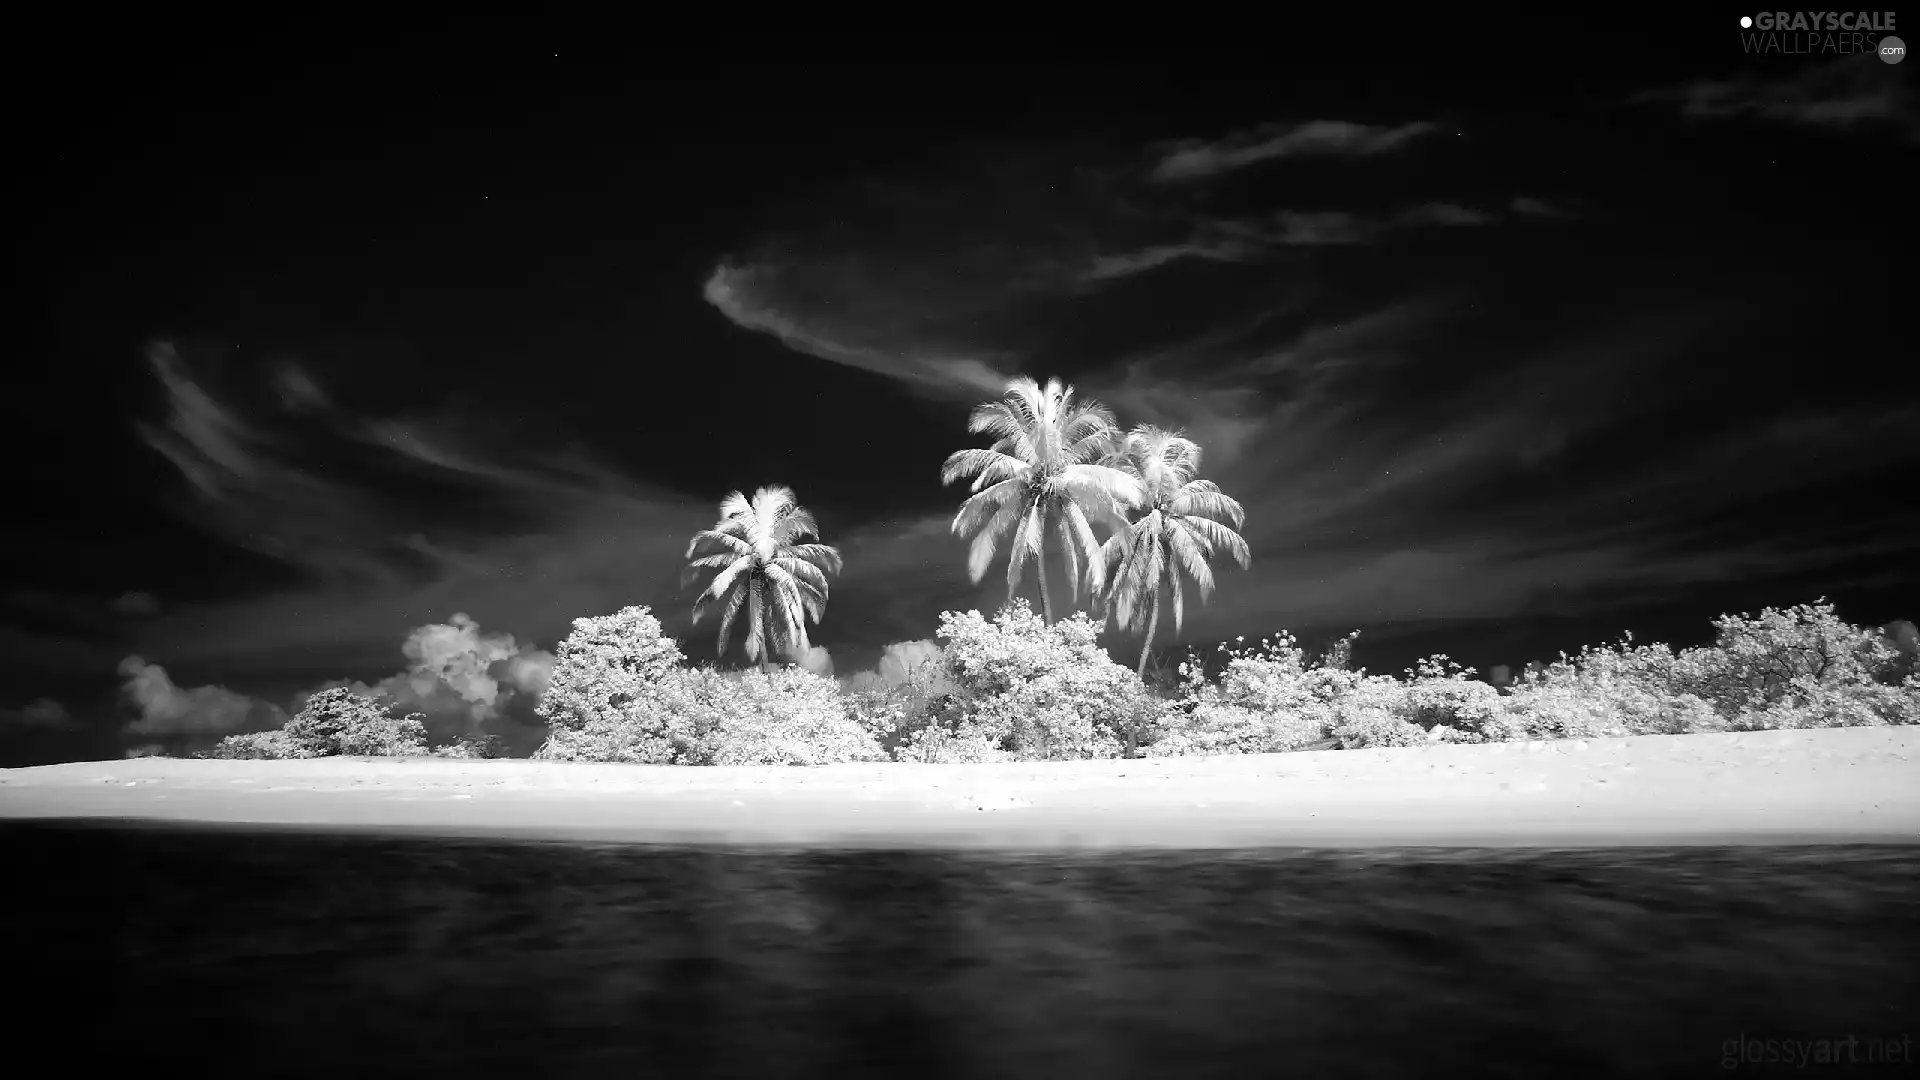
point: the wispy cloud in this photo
(1242, 240)
(44, 714)
(1528, 206)
(1197, 159)
(1385, 477)
(537, 544)
(1232, 248)
(136, 604)
(755, 297)
(1851, 93)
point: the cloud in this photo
(460, 678)
(1197, 159)
(352, 500)
(1233, 241)
(1528, 206)
(817, 660)
(43, 714)
(759, 296)
(1400, 456)
(1445, 213)
(901, 661)
(137, 604)
(1402, 445)
(1851, 93)
(388, 522)
(455, 670)
(166, 709)
(1127, 263)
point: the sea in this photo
(291, 953)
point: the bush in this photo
(339, 721)
(910, 693)
(701, 716)
(258, 745)
(472, 746)
(619, 693)
(787, 716)
(1214, 728)
(1795, 667)
(1036, 691)
(1268, 699)
(1441, 696)
(603, 666)
(1362, 726)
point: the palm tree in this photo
(1044, 468)
(763, 567)
(1183, 525)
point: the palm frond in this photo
(985, 506)
(1189, 552)
(691, 572)
(1208, 504)
(735, 600)
(985, 466)
(824, 556)
(725, 541)
(801, 571)
(1218, 537)
(987, 540)
(1026, 544)
(1077, 535)
(1179, 602)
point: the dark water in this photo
(290, 953)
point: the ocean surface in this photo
(285, 953)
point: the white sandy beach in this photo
(1826, 786)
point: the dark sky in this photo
(1505, 349)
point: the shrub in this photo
(1904, 639)
(1363, 725)
(667, 718)
(471, 746)
(1267, 699)
(1214, 728)
(909, 693)
(787, 716)
(1441, 696)
(1792, 667)
(619, 693)
(339, 721)
(958, 743)
(1038, 691)
(1757, 663)
(258, 745)
(603, 666)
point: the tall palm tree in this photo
(1184, 523)
(764, 568)
(1044, 468)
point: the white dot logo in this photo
(1746, 21)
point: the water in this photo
(288, 953)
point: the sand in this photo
(1828, 786)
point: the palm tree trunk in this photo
(1153, 624)
(1046, 598)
